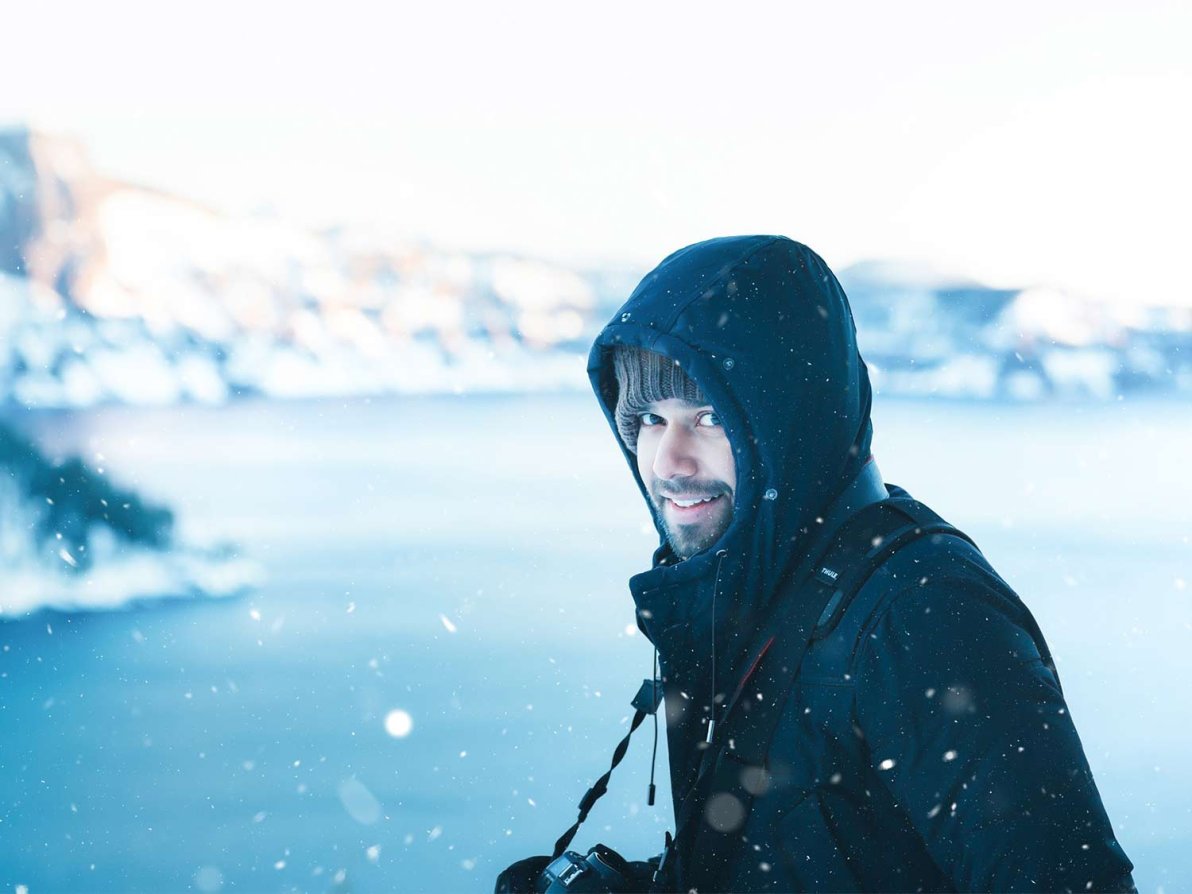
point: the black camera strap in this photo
(735, 763)
(646, 702)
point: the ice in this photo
(399, 550)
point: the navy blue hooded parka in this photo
(926, 744)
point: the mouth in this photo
(692, 509)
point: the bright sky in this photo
(1019, 142)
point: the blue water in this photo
(464, 560)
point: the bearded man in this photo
(915, 736)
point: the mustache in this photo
(688, 487)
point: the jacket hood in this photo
(764, 328)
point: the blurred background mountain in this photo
(70, 537)
(115, 293)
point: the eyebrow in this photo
(689, 404)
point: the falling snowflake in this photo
(359, 802)
(398, 723)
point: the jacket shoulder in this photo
(939, 585)
(945, 585)
(953, 685)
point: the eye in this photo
(650, 419)
(709, 419)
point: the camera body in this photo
(601, 870)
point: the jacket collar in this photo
(863, 490)
(674, 600)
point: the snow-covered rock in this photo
(72, 540)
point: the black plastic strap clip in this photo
(649, 697)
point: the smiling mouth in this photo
(690, 506)
(693, 502)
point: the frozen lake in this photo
(464, 560)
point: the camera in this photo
(602, 869)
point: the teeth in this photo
(687, 504)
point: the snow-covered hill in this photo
(114, 293)
(925, 334)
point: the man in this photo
(917, 738)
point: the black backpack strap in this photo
(734, 770)
(881, 530)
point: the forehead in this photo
(675, 405)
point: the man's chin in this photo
(687, 540)
(700, 530)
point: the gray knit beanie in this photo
(644, 377)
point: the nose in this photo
(675, 457)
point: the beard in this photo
(687, 540)
(691, 531)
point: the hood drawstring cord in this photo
(654, 753)
(654, 677)
(720, 554)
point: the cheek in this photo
(726, 466)
(645, 459)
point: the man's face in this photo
(687, 464)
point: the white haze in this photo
(1019, 143)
